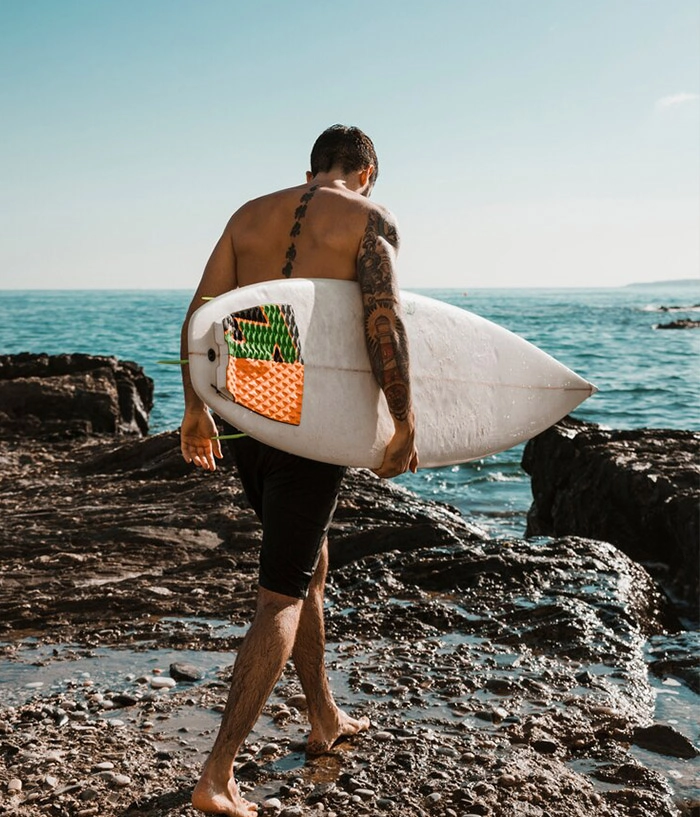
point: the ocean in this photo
(646, 377)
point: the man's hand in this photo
(400, 454)
(196, 443)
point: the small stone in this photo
(508, 781)
(384, 737)
(545, 747)
(34, 685)
(162, 682)
(447, 751)
(433, 799)
(123, 699)
(364, 794)
(160, 591)
(181, 671)
(269, 749)
(292, 811)
(297, 701)
(273, 804)
(104, 766)
(121, 780)
(14, 786)
(51, 781)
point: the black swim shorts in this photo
(295, 499)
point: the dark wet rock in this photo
(638, 489)
(692, 307)
(72, 395)
(182, 671)
(685, 323)
(665, 740)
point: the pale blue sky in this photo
(521, 143)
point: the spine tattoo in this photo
(299, 214)
(384, 330)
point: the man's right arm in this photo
(386, 337)
(198, 427)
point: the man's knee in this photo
(271, 602)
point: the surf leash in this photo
(230, 436)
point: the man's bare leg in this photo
(259, 664)
(328, 723)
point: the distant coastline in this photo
(678, 282)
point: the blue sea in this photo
(646, 377)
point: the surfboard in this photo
(286, 362)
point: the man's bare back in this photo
(327, 243)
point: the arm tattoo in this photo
(384, 330)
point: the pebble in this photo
(545, 747)
(273, 804)
(383, 736)
(104, 766)
(297, 701)
(14, 786)
(269, 749)
(162, 682)
(181, 671)
(364, 794)
(292, 811)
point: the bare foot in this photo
(324, 736)
(212, 798)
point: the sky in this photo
(521, 142)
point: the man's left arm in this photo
(385, 335)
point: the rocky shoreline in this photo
(507, 678)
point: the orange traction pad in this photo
(274, 390)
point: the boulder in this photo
(638, 489)
(72, 395)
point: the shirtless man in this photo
(336, 232)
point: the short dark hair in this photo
(344, 146)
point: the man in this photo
(326, 228)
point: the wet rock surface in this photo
(638, 489)
(502, 678)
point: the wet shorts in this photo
(295, 499)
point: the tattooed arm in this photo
(386, 337)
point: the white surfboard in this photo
(293, 372)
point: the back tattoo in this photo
(299, 214)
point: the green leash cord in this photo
(219, 436)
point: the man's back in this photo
(324, 226)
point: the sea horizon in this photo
(675, 282)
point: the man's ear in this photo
(366, 175)
(309, 176)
